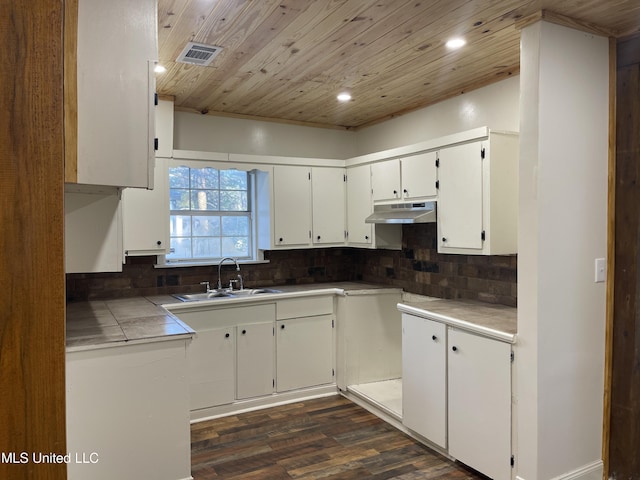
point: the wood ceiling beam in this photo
(552, 17)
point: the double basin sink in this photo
(220, 294)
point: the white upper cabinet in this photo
(92, 231)
(328, 200)
(478, 196)
(460, 197)
(145, 216)
(418, 173)
(359, 205)
(291, 205)
(385, 180)
(308, 206)
(164, 128)
(115, 92)
(405, 179)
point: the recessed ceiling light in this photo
(159, 69)
(344, 97)
(456, 43)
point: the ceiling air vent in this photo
(198, 54)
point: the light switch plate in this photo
(601, 270)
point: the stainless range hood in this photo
(422, 212)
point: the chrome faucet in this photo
(237, 269)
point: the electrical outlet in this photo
(601, 270)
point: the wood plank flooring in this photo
(329, 438)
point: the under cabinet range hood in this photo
(422, 212)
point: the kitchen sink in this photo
(213, 295)
(252, 291)
(194, 297)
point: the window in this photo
(210, 214)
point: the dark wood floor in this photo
(329, 438)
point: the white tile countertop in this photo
(105, 323)
(487, 319)
(284, 291)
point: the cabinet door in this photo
(115, 92)
(385, 180)
(210, 358)
(359, 204)
(304, 349)
(328, 189)
(292, 205)
(254, 363)
(480, 403)
(164, 128)
(93, 235)
(419, 176)
(460, 196)
(145, 216)
(130, 405)
(424, 387)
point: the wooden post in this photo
(622, 458)
(32, 301)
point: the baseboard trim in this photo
(591, 471)
(258, 403)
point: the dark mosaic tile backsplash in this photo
(417, 268)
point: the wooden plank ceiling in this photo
(286, 60)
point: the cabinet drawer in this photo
(208, 318)
(304, 307)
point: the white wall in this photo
(562, 230)
(208, 133)
(494, 106)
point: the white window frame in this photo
(255, 255)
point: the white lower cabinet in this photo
(211, 367)
(241, 353)
(424, 380)
(255, 358)
(304, 352)
(479, 397)
(226, 364)
(128, 412)
(304, 343)
(457, 393)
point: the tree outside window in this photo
(210, 213)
